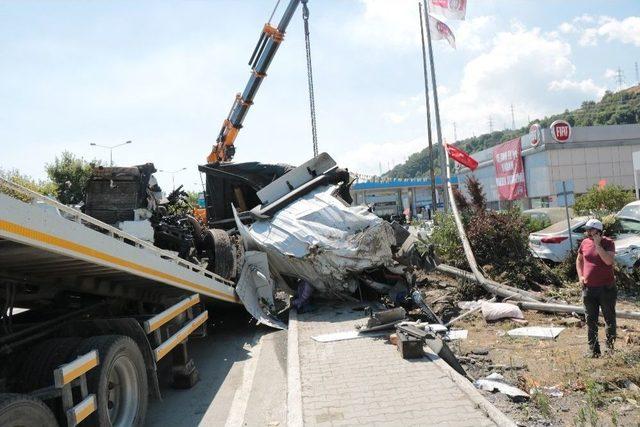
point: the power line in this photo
(619, 78)
(513, 118)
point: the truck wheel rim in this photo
(123, 392)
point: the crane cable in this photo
(312, 103)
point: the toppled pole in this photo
(564, 308)
(490, 286)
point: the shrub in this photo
(536, 224)
(499, 240)
(610, 198)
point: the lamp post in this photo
(110, 147)
(173, 175)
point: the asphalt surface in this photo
(242, 378)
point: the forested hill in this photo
(614, 108)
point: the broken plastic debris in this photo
(500, 310)
(542, 332)
(348, 335)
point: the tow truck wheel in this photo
(220, 253)
(119, 381)
(21, 410)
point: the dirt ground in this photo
(566, 388)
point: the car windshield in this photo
(561, 226)
(628, 225)
(630, 211)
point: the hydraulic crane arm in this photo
(263, 54)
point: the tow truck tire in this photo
(40, 362)
(119, 381)
(220, 253)
(21, 410)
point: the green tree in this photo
(610, 198)
(70, 174)
(43, 187)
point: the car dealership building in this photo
(593, 155)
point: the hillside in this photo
(614, 108)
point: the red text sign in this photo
(510, 180)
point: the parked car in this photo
(628, 241)
(549, 215)
(552, 243)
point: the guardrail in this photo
(76, 216)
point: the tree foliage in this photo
(70, 175)
(43, 187)
(610, 198)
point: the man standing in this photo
(594, 265)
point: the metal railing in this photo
(76, 216)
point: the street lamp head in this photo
(128, 142)
(92, 143)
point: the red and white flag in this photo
(452, 9)
(461, 156)
(441, 31)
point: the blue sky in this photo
(164, 73)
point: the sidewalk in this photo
(364, 381)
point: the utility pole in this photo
(637, 74)
(432, 175)
(455, 133)
(443, 157)
(513, 118)
(490, 124)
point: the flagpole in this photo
(432, 175)
(443, 158)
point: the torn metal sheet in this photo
(320, 239)
(542, 332)
(496, 383)
(255, 289)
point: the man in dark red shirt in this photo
(595, 272)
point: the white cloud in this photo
(625, 31)
(519, 68)
(609, 73)
(474, 34)
(387, 24)
(586, 86)
(365, 158)
(592, 30)
(566, 28)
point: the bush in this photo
(536, 224)
(70, 174)
(42, 187)
(596, 201)
(499, 240)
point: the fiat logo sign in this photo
(561, 131)
(535, 131)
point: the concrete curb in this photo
(496, 415)
(294, 379)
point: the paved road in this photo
(243, 379)
(366, 382)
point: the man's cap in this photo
(594, 223)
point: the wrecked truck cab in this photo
(301, 228)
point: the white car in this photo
(628, 242)
(553, 242)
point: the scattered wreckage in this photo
(271, 229)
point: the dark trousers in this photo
(596, 299)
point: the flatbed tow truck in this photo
(101, 309)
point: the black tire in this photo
(20, 410)
(119, 381)
(220, 253)
(39, 363)
(38, 366)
